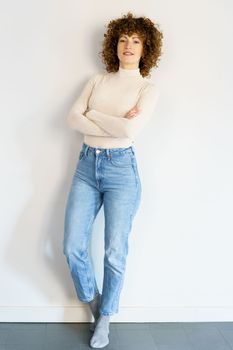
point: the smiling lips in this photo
(127, 53)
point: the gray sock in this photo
(94, 306)
(100, 336)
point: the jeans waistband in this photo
(108, 151)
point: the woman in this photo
(112, 109)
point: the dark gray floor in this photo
(123, 336)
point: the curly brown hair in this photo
(146, 29)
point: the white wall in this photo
(180, 253)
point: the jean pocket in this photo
(123, 160)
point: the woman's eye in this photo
(136, 42)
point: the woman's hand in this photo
(132, 113)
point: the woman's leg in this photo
(120, 207)
(83, 204)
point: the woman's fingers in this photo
(133, 112)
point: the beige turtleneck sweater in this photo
(99, 112)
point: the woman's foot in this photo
(94, 306)
(100, 336)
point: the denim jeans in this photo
(107, 176)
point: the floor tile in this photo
(135, 339)
(202, 339)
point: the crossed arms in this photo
(100, 124)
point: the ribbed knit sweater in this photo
(99, 111)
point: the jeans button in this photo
(97, 151)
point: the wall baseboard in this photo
(81, 313)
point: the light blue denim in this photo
(107, 176)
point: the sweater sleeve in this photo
(124, 127)
(76, 118)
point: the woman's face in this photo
(129, 50)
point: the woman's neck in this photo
(125, 72)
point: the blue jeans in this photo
(107, 176)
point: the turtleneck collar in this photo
(123, 72)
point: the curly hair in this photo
(146, 29)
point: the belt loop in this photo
(86, 150)
(108, 153)
(133, 149)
